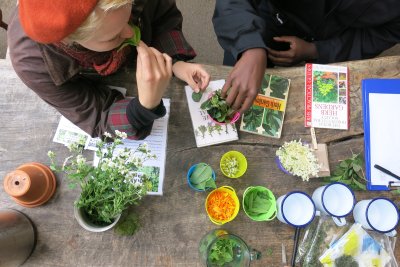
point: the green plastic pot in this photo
(268, 216)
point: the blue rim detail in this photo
(283, 214)
(338, 216)
(369, 223)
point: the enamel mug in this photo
(296, 208)
(336, 200)
(379, 214)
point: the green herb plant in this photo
(111, 186)
(350, 172)
(217, 108)
(221, 252)
(201, 178)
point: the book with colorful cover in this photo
(207, 132)
(265, 117)
(326, 96)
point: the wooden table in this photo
(172, 225)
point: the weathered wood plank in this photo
(173, 224)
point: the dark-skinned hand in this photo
(244, 81)
(299, 51)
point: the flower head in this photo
(298, 159)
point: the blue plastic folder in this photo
(381, 111)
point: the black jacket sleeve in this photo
(238, 26)
(359, 43)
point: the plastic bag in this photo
(387, 243)
(317, 238)
(356, 248)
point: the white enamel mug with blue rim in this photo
(336, 200)
(378, 214)
(296, 208)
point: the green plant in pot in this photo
(108, 187)
(218, 109)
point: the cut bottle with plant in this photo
(108, 188)
(218, 109)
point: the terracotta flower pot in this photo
(31, 184)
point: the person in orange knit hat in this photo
(63, 49)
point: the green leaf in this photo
(197, 96)
(210, 183)
(134, 40)
(359, 185)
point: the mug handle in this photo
(254, 254)
(273, 216)
(214, 221)
(392, 233)
(339, 221)
(229, 188)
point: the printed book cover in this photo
(207, 132)
(265, 117)
(326, 97)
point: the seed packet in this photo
(356, 248)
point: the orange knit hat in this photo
(50, 21)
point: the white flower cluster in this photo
(298, 159)
(230, 166)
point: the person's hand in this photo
(153, 73)
(299, 51)
(193, 74)
(244, 81)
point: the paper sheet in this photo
(384, 136)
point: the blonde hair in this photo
(92, 22)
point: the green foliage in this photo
(253, 118)
(272, 122)
(134, 40)
(128, 224)
(201, 177)
(114, 184)
(217, 108)
(221, 252)
(346, 261)
(197, 96)
(152, 173)
(265, 83)
(257, 202)
(325, 87)
(202, 129)
(350, 172)
(279, 86)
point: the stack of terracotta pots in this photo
(31, 184)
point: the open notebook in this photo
(381, 110)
